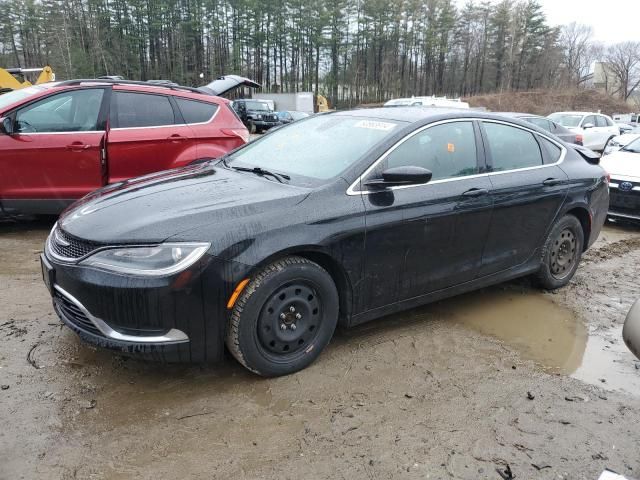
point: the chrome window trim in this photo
(351, 191)
(172, 336)
(76, 132)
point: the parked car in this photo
(431, 101)
(60, 141)
(616, 143)
(625, 128)
(256, 115)
(596, 129)
(624, 168)
(549, 125)
(268, 249)
(289, 116)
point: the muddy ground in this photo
(507, 376)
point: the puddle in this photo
(550, 335)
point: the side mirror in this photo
(631, 329)
(6, 126)
(588, 125)
(399, 176)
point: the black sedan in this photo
(550, 126)
(336, 219)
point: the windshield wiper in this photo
(263, 172)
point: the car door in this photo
(55, 153)
(528, 189)
(424, 238)
(146, 134)
(590, 134)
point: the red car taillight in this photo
(242, 133)
(579, 139)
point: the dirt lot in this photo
(506, 376)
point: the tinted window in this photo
(553, 151)
(196, 112)
(566, 119)
(447, 150)
(540, 122)
(73, 111)
(589, 119)
(512, 147)
(131, 110)
(609, 122)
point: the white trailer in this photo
(299, 102)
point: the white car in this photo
(427, 102)
(624, 188)
(596, 129)
(616, 143)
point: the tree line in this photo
(353, 51)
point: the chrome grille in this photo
(71, 312)
(66, 246)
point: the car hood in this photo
(225, 84)
(622, 164)
(158, 206)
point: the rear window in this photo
(601, 121)
(540, 122)
(194, 111)
(566, 119)
(135, 110)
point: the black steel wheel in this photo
(284, 318)
(290, 319)
(561, 253)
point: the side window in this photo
(134, 110)
(601, 121)
(609, 122)
(72, 111)
(540, 122)
(589, 119)
(512, 148)
(447, 150)
(196, 112)
(553, 150)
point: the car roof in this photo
(417, 114)
(579, 113)
(520, 115)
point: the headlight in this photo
(259, 117)
(157, 260)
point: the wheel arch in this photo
(584, 217)
(323, 258)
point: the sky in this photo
(612, 20)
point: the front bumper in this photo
(624, 203)
(162, 318)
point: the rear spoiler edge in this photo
(589, 155)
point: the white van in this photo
(427, 102)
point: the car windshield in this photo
(566, 120)
(633, 146)
(257, 106)
(17, 95)
(317, 148)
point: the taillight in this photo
(242, 133)
(607, 177)
(579, 139)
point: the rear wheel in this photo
(561, 253)
(284, 317)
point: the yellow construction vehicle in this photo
(322, 104)
(9, 77)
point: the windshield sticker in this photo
(373, 125)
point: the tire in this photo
(294, 293)
(561, 253)
(251, 127)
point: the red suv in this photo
(60, 141)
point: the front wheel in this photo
(284, 317)
(561, 253)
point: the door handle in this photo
(475, 192)
(550, 182)
(176, 138)
(78, 147)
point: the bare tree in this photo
(623, 61)
(579, 50)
